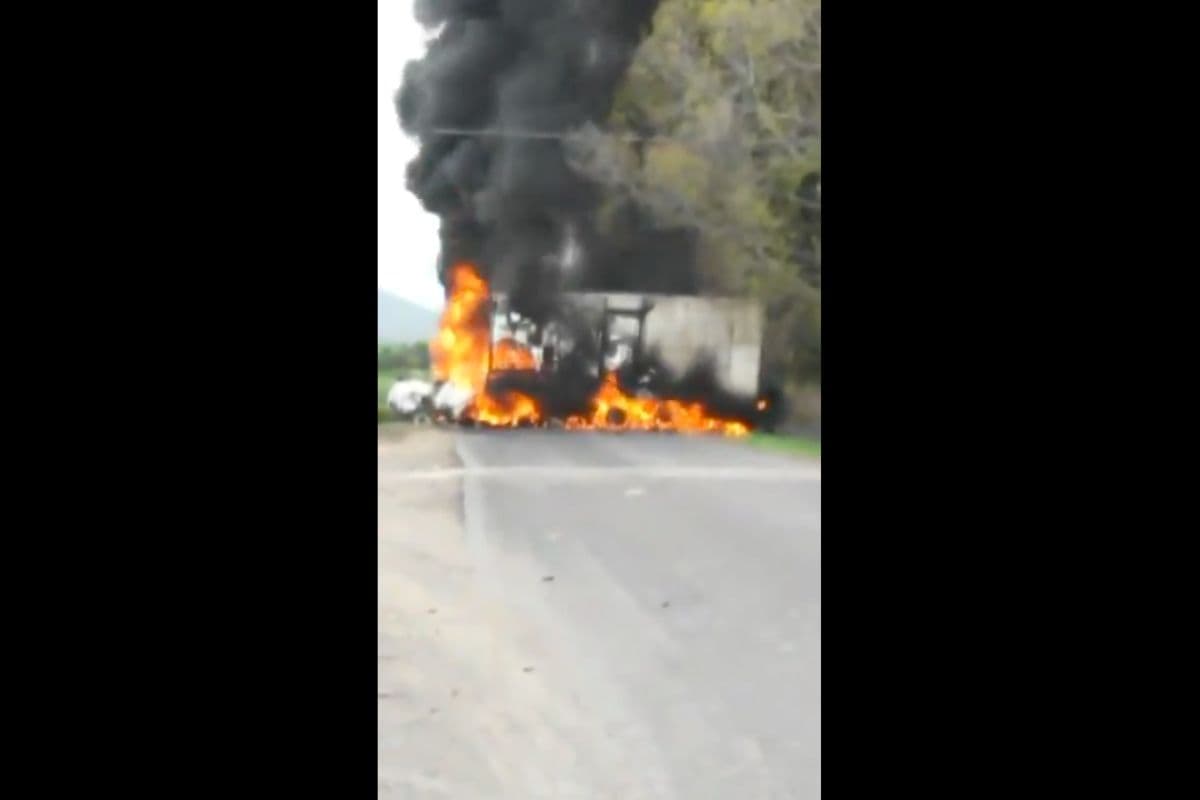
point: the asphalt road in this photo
(664, 597)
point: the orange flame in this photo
(614, 409)
(509, 409)
(459, 354)
(511, 354)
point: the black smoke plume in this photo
(510, 204)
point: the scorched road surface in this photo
(663, 597)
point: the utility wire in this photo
(501, 133)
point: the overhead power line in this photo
(512, 133)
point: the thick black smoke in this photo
(510, 204)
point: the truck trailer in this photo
(652, 341)
(676, 333)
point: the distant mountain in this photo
(401, 321)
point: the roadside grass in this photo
(782, 443)
(386, 378)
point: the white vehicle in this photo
(451, 401)
(411, 399)
(421, 401)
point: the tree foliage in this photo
(723, 101)
(412, 357)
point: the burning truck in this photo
(500, 105)
(611, 361)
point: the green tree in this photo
(412, 357)
(723, 104)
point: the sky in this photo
(408, 239)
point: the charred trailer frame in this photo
(675, 333)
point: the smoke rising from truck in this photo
(512, 205)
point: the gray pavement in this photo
(662, 598)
